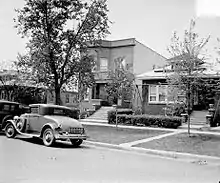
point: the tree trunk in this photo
(141, 100)
(188, 105)
(57, 96)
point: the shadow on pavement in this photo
(59, 144)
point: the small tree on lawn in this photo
(59, 33)
(186, 62)
(121, 83)
(85, 78)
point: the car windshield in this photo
(59, 111)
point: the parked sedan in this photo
(48, 122)
(8, 110)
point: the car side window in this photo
(12, 107)
(6, 107)
(34, 110)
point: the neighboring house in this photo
(9, 78)
(137, 57)
(68, 98)
(156, 94)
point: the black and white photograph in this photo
(110, 91)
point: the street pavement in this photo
(28, 161)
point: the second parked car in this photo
(8, 110)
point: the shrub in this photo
(149, 120)
(175, 109)
(86, 114)
(112, 114)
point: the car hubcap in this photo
(48, 137)
(10, 131)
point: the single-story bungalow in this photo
(156, 94)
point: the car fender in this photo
(10, 122)
(53, 126)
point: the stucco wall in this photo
(145, 58)
(126, 52)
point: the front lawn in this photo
(201, 144)
(107, 134)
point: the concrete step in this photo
(101, 113)
(193, 127)
(94, 120)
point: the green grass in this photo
(196, 144)
(118, 136)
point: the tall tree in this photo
(59, 33)
(187, 63)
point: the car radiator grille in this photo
(76, 130)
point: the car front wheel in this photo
(48, 137)
(10, 131)
(76, 142)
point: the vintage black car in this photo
(8, 110)
(48, 122)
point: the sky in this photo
(151, 22)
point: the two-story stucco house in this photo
(136, 56)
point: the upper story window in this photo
(103, 64)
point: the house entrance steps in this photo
(100, 116)
(197, 120)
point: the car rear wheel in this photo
(48, 137)
(10, 131)
(76, 142)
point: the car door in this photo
(35, 120)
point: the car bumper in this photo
(70, 136)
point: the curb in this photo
(191, 158)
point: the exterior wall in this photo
(127, 52)
(138, 59)
(110, 50)
(149, 108)
(68, 99)
(115, 50)
(145, 58)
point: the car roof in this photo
(49, 105)
(8, 102)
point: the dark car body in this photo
(8, 110)
(49, 122)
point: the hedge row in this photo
(145, 120)
(112, 113)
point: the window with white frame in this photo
(103, 64)
(163, 93)
(152, 93)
